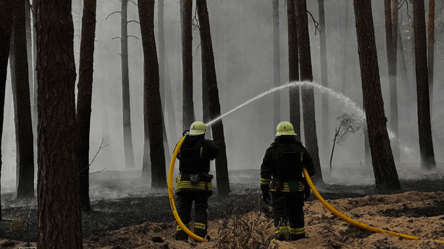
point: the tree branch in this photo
(316, 24)
(118, 11)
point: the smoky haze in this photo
(243, 48)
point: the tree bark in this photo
(126, 107)
(422, 87)
(344, 50)
(22, 105)
(408, 95)
(59, 213)
(276, 65)
(5, 38)
(152, 103)
(170, 106)
(84, 97)
(431, 49)
(391, 58)
(223, 185)
(308, 103)
(187, 64)
(324, 81)
(293, 69)
(386, 176)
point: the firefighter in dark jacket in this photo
(194, 182)
(281, 174)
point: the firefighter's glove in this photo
(306, 190)
(265, 193)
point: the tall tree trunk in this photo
(84, 96)
(5, 38)
(293, 69)
(152, 104)
(276, 65)
(386, 176)
(391, 58)
(59, 213)
(223, 185)
(344, 50)
(431, 49)
(29, 50)
(22, 105)
(324, 82)
(422, 87)
(126, 107)
(408, 95)
(308, 103)
(187, 64)
(161, 46)
(34, 115)
(162, 83)
(170, 106)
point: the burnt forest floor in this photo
(113, 210)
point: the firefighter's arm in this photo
(266, 169)
(307, 163)
(213, 149)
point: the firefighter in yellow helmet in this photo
(281, 174)
(194, 180)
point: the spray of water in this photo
(341, 97)
(344, 99)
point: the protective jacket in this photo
(195, 155)
(282, 165)
(194, 183)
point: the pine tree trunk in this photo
(431, 49)
(408, 95)
(391, 58)
(59, 213)
(5, 38)
(126, 107)
(308, 103)
(344, 50)
(152, 104)
(386, 176)
(187, 65)
(84, 97)
(276, 65)
(293, 69)
(422, 87)
(22, 105)
(324, 82)
(162, 83)
(170, 106)
(223, 185)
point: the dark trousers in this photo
(185, 201)
(288, 214)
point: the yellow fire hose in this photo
(171, 194)
(310, 183)
(351, 221)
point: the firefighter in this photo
(281, 174)
(194, 180)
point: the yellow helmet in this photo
(284, 128)
(197, 128)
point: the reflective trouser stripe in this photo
(282, 229)
(297, 230)
(287, 187)
(265, 181)
(200, 225)
(198, 185)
